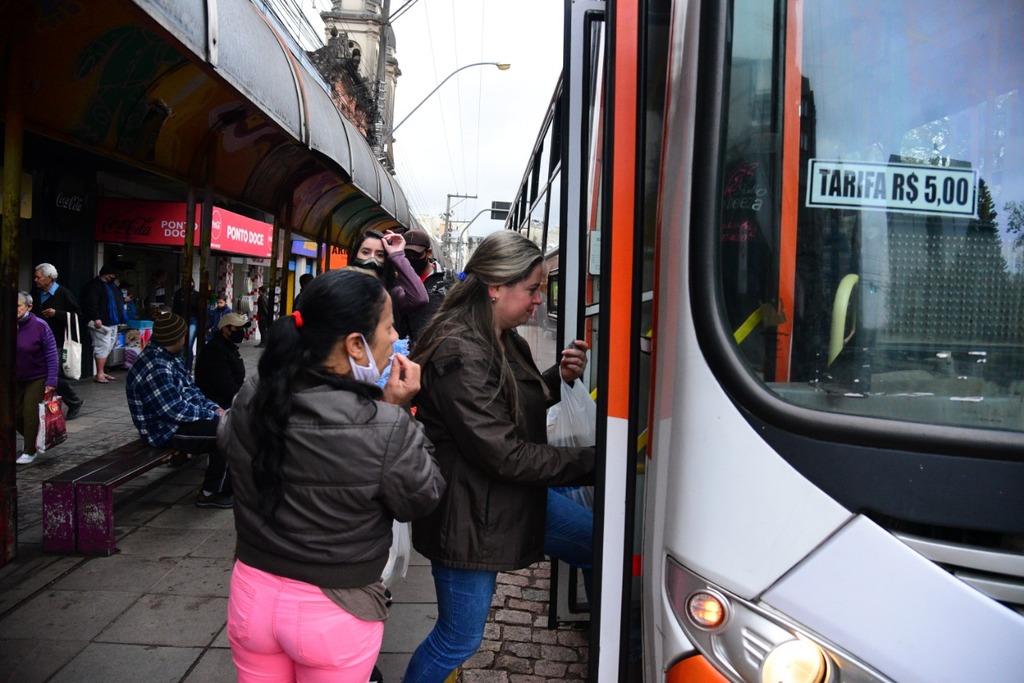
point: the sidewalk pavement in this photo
(156, 610)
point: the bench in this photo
(78, 504)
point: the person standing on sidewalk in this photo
(188, 297)
(35, 374)
(322, 468)
(168, 408)
(483, 405)
(220, 309)
(54, 303)
(263, 315)
(103, 307)
(420, 254)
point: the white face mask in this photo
(365, 373)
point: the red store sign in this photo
(140, 222)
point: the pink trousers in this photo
(286, 630)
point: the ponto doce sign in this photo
(173, 228)
(245, 236)
(910, 188)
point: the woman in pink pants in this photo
(322, 463)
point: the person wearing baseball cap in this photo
(169, 409)
(220, 370)
(420, 254)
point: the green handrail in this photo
(838, 337)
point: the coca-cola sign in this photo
(70, 201)
(163, 223)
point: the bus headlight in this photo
(795, 661)
(748, 642)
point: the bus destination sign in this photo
(910, 188)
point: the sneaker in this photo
(73, 411)
(376, 676)
(26, 459)
(217, 500)
(178, 459)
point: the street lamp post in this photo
(502, 66)
(454, 246)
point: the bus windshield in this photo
(872, 230)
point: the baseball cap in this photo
(236, 319)
(417, 241)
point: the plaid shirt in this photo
(162, 395)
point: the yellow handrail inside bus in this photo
(748, 326)
(838, 337)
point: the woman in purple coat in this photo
(35, 373)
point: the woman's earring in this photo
(494, 299)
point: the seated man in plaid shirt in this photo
(168, 408)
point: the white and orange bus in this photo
(793, 233)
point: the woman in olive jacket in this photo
(483, 403)
(321, 467)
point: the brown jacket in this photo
(491, 516)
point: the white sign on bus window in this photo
(910, 188)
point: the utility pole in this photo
(382, 123)
(448, 242)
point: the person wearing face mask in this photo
(383, 255)
(35, 374)
(220, 309)
(419, 252)
(324, 461)
(103, 308)
(220, 371)
(483, 405)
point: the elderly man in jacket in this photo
(53, 303)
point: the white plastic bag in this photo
(398, 556)
(573, 422)
(71, 352)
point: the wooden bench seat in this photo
(78, 504)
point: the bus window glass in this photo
(882, 272)
(538, 221)
(554, 208)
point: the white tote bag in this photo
(71, 352)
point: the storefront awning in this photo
(190, 87)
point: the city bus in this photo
(793, 234)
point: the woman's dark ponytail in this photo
(334, 305)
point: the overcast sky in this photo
(475, 134)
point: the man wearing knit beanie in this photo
(168, 409)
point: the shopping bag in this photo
(398, 556)
(573, 422)
(52, 429)
(71, 352)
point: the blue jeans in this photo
(463, 602)
(569, 534)
(188, 351)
